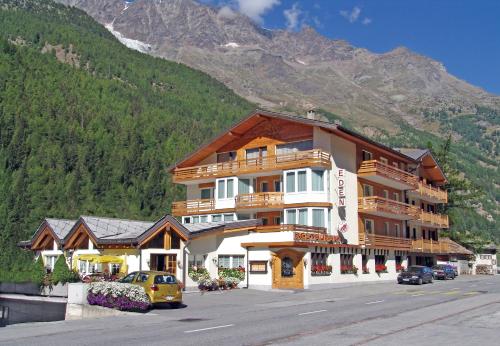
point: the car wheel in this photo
(420, 282)
(431, 280)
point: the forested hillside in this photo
(88, 126)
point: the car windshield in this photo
(439, 267)
(129, 278)
(165, 279)
(414, 269)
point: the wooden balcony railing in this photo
(299, 159)
(260, 200)
(193, 207)
(429, 246)
(375, 204)
(435, 193)
(384, 241)
(290, 228)
(436, 220)
(377, 168)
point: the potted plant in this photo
(380, 268)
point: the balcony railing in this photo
(436, 220)
(426, 191)
(380, 205)
(299, 159)
(383, 241)
(290, 228)
(260, 200)
(374, 168)
(193, 207)
(429, 246)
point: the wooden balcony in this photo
(388, 175)
(290, 228)
(193, 207)
(300, 159)
(382, 241)
(384, 207)
(429, 246)
(260, 200)
(430, 193)
(432, 220)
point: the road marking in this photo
(311, 312)
(418, 295)
(375, 302)
(203, 329)
(450, 293)
(470, 293)
(455, 288)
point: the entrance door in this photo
(164, 263)
(288, 269)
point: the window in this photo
(379, 259)
(386, 194)
(225, 188)
(204, 218)
(206, 193)
(384, 160)
(294, 147)
(256, 153)
(291, 216)
(216, 218)
(225, 157)
(50, 262)
(369, 226)
(164, 279)
(186, 219)
(367, 190)
(302, 217)
(265, 221)
(228, 217)
(258, 267)
(318, 217)
(317, 180)
(301, 181)
(286, 267)
(231, 261)
(243, 186)
(366, 155)
(364, 264)
(290, 182)
(386, 228)
(244, 216)
(397, 230)
(142, 277)
(277, 220)
(395, 196)
(346, 264)
(395, 164)
(196, 219)
(380, 266)
(264, 186)
(115, 268)
(277, 186)
(197, 261)
(129, 278)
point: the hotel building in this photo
(294, 201)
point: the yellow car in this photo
(161, 287)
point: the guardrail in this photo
(384, 205)
(260, 200)
(384, 241)
(291, 228)
(374, 167)
(193, 207)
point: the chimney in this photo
(311, 114)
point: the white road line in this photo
(375, 302)
(311, 312)
(418, 295)
(203, 329)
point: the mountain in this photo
(400, 98)
(88, 126)
(295, 70)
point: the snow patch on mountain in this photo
(130, 43)
(231, 45)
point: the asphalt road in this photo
(465, 311)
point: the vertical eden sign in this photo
(342, 212)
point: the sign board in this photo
(316, 237)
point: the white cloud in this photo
(226, 12)
(292, 16)
(255, 9)
(366, 21)
(352, 15)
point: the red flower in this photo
(380, 268)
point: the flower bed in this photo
(196, 274)
(238, 273)
(380, 268)
(118, 295)
(348, 269)
(321, 270)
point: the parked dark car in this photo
(443, 272)
(416, 275)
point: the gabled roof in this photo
(420, 155)
(107, 228)
(59, 228)
(258, 116)
(414, 153)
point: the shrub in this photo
(62, 274)
(117, 295)
(196, 274)
(38, 272)
(238, 273)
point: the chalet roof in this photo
(414, 153)
(422, 156)
(252, 119)
(61, 227)
(108, 228)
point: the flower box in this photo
(399, 268)
(380, 268)
(348, 269)
(321, 270)
(117, 295)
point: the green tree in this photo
(62, 273)
(38, 272)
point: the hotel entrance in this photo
(288, 269)
(161, 262)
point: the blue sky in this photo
(462, 34)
